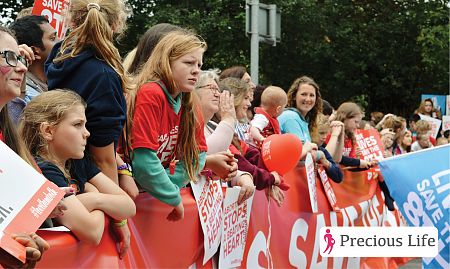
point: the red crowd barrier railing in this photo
(294, 239)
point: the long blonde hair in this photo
(50, 107)
(94, 24)
(158, 68)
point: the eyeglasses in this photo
(12, 59)
(214, 89)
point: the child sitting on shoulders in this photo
(265, 123)
(53, 127)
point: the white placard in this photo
(445, 123)
(311, 177)
(435, 124)
(209, 197)
(234, 229)
(26, 199)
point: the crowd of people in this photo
(155, 121)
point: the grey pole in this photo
(254, 43)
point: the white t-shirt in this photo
(260, 121)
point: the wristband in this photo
(121, 223)
(125, 169)
(124, 166)
(317, 156)
(125, 172)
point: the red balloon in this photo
(281, 152)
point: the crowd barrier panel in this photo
(291, 231)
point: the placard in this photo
(234, 228)
(26, 199)
(53, 10)
(311, 177)
(209, 197)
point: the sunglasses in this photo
(12, 59)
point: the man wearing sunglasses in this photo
(40, 36)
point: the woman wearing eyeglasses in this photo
(218, 136)
(12, 72)
(13, 66)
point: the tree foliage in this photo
(385, 53)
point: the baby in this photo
(265, 123)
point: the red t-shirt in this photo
(349, 149)
(156, 125)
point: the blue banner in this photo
(420, 184)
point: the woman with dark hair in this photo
(13, 68)
(300, 116)
(239, 72)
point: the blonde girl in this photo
(54, 129)
(88, 63)
(167, 132)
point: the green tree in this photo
(386, 51)
(220, 22)
(10, 8)
(383, 52)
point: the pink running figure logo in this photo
(330, 241)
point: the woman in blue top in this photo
(300, 116)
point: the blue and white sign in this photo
(420, 184)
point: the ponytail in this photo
(93, 29)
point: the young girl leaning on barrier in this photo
(168, 142)
(54, 129)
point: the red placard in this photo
(53, 10)
(370, 144)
